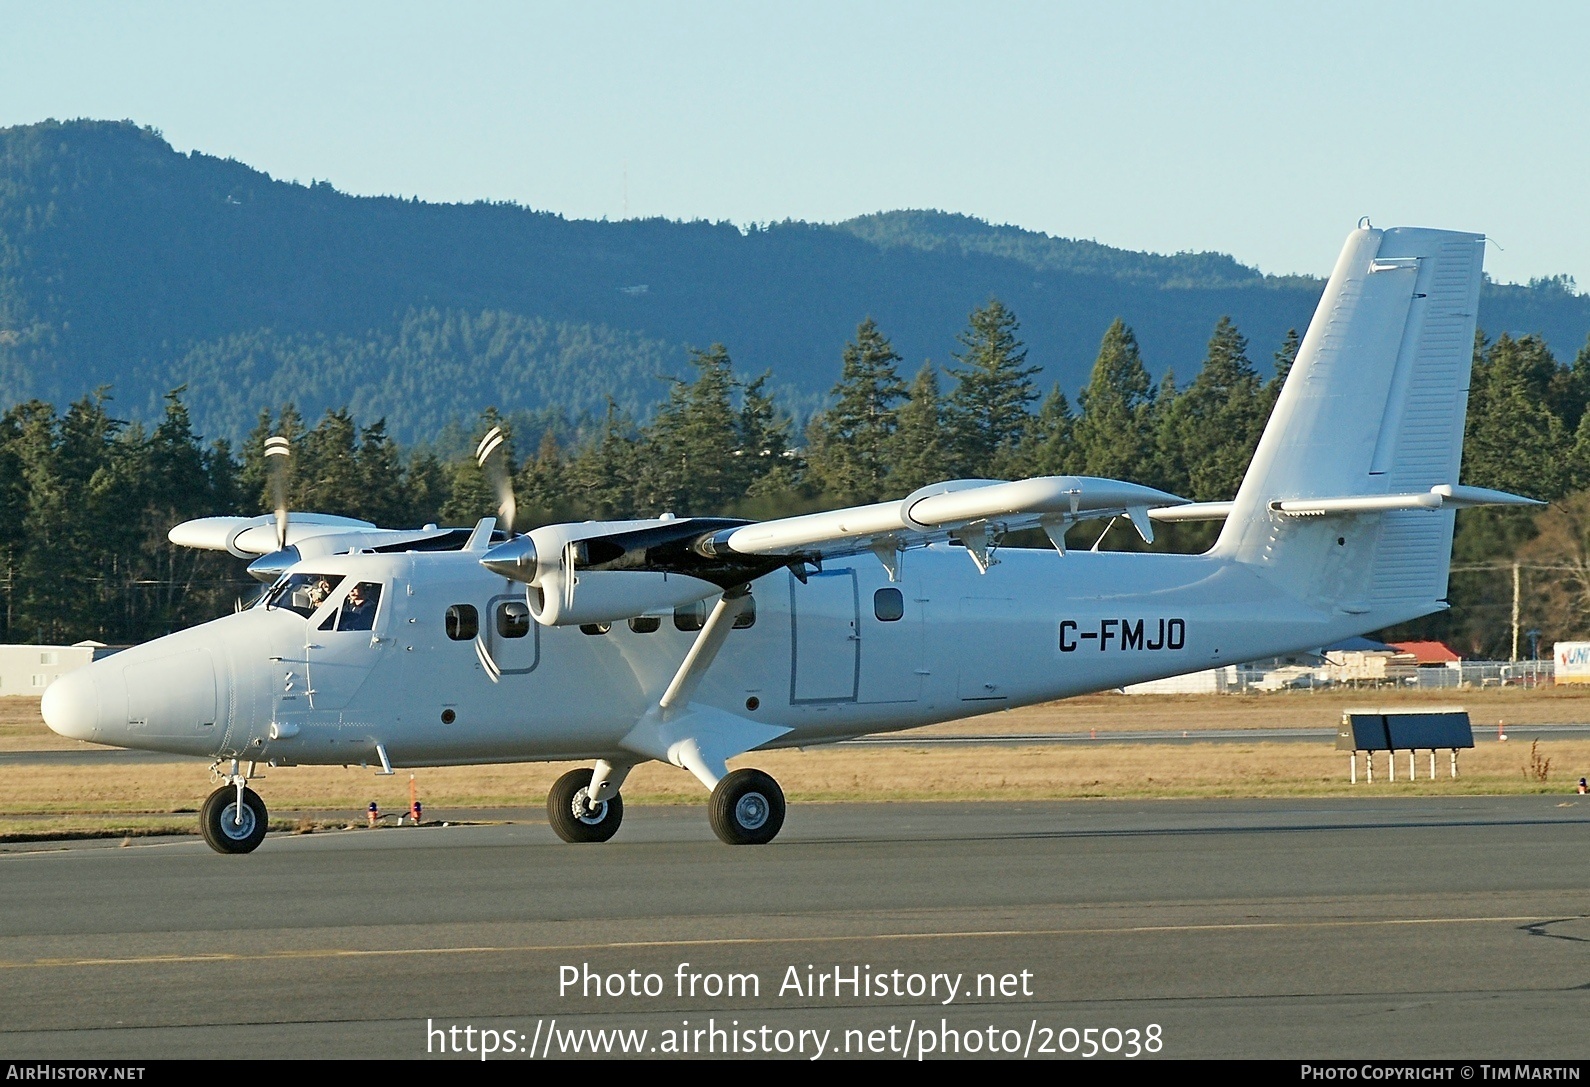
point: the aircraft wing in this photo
(560, 559)
(974, 512)
(249, 536)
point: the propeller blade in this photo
(278, 454)
(492, 456)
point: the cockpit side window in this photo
(359, 607)
(303, 593)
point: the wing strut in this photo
(701, 739)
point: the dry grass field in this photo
(53, 800)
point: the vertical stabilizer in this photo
(1373, 406)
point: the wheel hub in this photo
(586, 812)
(751, 811)
(237, 823)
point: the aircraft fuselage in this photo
(846, 653)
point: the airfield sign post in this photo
(1372, 730)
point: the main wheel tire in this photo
(747, 808)
(568, 812)
(226, 830)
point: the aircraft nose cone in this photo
(71, 705)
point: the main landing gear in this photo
(233, 819)
(747, 808)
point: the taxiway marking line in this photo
(509, 949)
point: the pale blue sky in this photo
(1259, 129)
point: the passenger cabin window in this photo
(595, 628)
(463, 622)
(888, 605)
(513, 619)
(645, 624)
(303, 593)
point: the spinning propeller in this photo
(492, 456)
(278, 457)
(278, 463)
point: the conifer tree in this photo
(848, 446)
(986, 412)
(379, 466)
(326, 476)
(1114, 433)
(692, 445)
(1513, 440)
(253, 481)
(1215, 423)
(1051, 447)
(765, 466)
(1284, 358)
(606, 477)
(543, 487)
(426, 488)
(921, 453)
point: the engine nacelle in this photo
(553, 561)
(607, 596)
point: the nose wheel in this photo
(572, 814)
(233, 819)
(747, 808)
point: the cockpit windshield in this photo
(302, 593)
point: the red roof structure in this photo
(1427, 652)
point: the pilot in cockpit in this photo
(358, 608)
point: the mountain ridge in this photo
(124, 262)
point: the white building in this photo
(1209, 681)
(28, 669)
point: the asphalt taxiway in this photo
(1418, 927)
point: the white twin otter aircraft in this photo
(692, 640)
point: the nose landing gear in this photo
(233, 819)
(575, 817)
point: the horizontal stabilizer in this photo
(1446, 496)
(1192, 511)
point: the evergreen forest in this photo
(86, 497)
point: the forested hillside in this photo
(126, 264)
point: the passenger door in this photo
(826, 649)
(510, 641)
